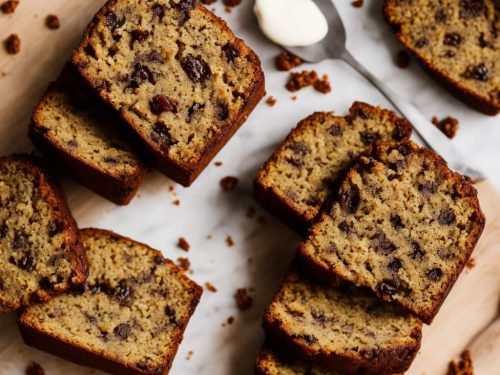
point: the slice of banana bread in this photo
(296, 181)
(39, 251)
(130, 319)
(342, 328)
(79, 133)
(177, 75)
(458, 41)
(404, 226)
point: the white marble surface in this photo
(261, 253)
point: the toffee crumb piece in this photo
(403, 59)
(189, 355)
(176, 202)
(52, 22)
(286, 61)
(271, 101)
(229, 241)
(218, 163)
(448, 125)
(463, 367)
(230, 320)
(9, 7)
(357, 3)
(210, 287)
(243, 300)
(228, 183)
(13, 44)
(183, 244)
(294, 98)
(34, 369)
(471, 263)
(323, 85)
(300, 80)
(183, 263)
(231, 3)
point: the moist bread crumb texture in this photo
(39, 251)
(130, 319)
(341, 327)
(75, 130)
(404, 226)
(177, 75)
(314, 157)
(456, 40)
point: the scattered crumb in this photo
(176, 202)
(218, 163)
(2, 74)
(471, 263)
(209, 237)
(208, 2)
(251, 212)
(230, 320)
(403, 59)
(357, 3)
(286, 61)
(271, 101)
(184, 263)
(448, 125)
(171, 188)
(294, 98)
(34, 369)
(229, 183)
(52, 22)
(10, 6)
(300, 80)
(13, 44)
(229, 241)
(231, 3)
(210, 287)
(261, 220)
(463, 367)
(189, 355)
(243, 300)
(183, 244)
(323, 85)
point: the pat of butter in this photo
(291, 23)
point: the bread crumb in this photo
(463, 367)
(243, 300)
(208, 2)
(52, 22)
(230, 320)
(271, 101)
(228, 9)
(176, 202)
(210, 287)
(294, 98)
(286, 61)
(403, 59)
(218, 163)
(183, 244)
(251, 212)
(184, 263)
(300, 80)
(228, 183)
(448, 125)
(13, 44)
(9, 7)
(171, 188)
(209, 237)
(323, 85)
(471, 263)
(189, 355)
(34, 369)
(357, 3)
(231, 3)
(229, 241)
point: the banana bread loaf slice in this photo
(79, 133)
(341, 327)
(458, 41)
(296, 181)
(129, 320)
(40, 255)
(404, 226)
(176, 74)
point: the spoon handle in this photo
(430, 134)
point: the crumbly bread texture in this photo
(342, 328)
(177, 75)
(79, 133)
(299, 177)
(39, 251)
(131, 317)
(456, 40)
(404, 225)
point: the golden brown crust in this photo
(479, 102)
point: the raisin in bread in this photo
(130, 319)
(177, 75)
(404, 226)
(341, 327)
(296, 181)
(40, 255)
(77, 132)
(457, 41)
